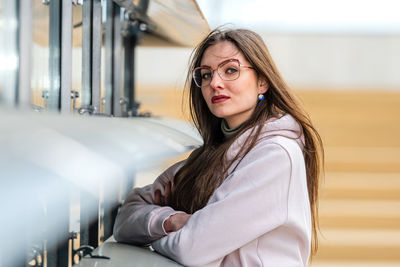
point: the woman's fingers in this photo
(176, 222)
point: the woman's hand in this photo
(176, 222)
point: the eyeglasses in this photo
(228, 70)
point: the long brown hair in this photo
(207, 167)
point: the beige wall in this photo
(367, 62)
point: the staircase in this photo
(360, 196)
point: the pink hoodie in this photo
(259, 216)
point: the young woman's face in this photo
(232, 100)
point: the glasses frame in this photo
(219, 74)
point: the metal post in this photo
(91, 55)
(57, 241)
(96, 54)
(129, 73)
(86, 53)
(116, 62)
(130, 42)
(108, 40)
(111, 206)
(143, 5)
(55, 55)
(66, 56)
(23, 96)
(89, 220)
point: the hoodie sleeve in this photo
(139, 220)
(251, 202)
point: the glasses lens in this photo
(229, 70)
(202, 76)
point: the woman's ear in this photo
(262, 86)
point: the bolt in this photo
(77, 2)
(143, 27)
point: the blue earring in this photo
(260, 97)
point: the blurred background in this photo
(342, 58)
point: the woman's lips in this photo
(219, 98)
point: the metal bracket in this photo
(45, 96)
(36, 257)
(135, 110)
(74, 96)
(77, 2)
(123, 101)
(84, 250)
(74, 2)
(103, 102)
(87, 110)
(38, 108)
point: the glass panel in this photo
(8, 52)
(76, 56)
(40, 82)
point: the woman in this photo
(248, 195)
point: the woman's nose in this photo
(216, 81)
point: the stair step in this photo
(359, 213)
(361, 238)
(382, 186)
(363, 159)
(356, 244)
(363, 154)
(360, 222)
(317, 263)
(359, 208)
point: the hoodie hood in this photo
(285, 126)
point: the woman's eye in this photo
(206, 76)
(230, 71)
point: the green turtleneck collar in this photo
(229, 133)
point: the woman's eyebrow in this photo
(223, 61)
